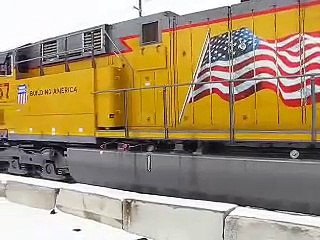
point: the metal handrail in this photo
(118, 53)
(56, 54)
(164, 88)
(59, 52)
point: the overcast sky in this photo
(25, 21)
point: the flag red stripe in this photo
(294, 42)
(251, 91)
(238, 67)
(284, 88)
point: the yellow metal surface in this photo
(110, 134)
(109, 105)
(304, 137)
(57, 104)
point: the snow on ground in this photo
(20, 222)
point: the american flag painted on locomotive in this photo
(255, 57)
(22, 94)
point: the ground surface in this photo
(23, 223)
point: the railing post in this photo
(14, 64)
(231, 110)
(165, 113)
(126, 114)
(41, 62)
(314, 110)
(92, 50)
(66, 63)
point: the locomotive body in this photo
(134, 79)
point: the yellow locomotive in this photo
(241, 73)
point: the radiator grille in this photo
(49, 50)
(95, 40)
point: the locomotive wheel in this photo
(49, 172)
(49, 168)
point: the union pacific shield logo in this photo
(22, 94)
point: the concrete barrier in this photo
(247, 223)
(92, 206)
(174, 221)
(31, 195)
(159, 218)
(2, 189)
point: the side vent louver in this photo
(95, 40)
(49, 50)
